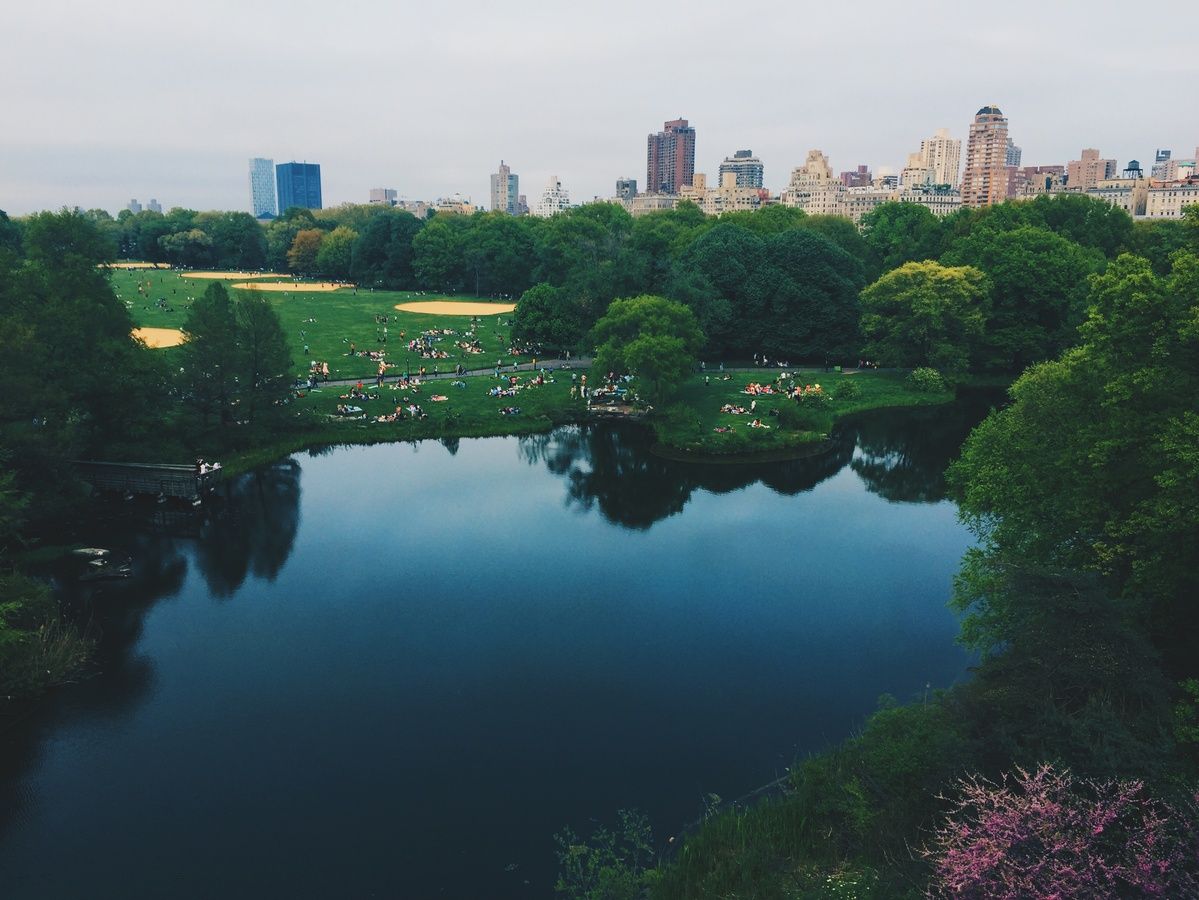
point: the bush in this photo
(1045, 834)
(794, 417)
(847, 389)
(926, 381)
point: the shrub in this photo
(1042, 834)
(794, 417)
(847, 389)
(926, 381)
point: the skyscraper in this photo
(1086, 173)
(262, 188)
(626, 188)
(505, 191)
(554, 199)
(985, 180)
(747, 167)
(670, 158)
(299, 185)
(943, 155)
(1013, 154)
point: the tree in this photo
(925, 314)
(238, 241)
(335, 255)
(1042, 833)
(264, 364)
(66, 237)
(210, 354)
(382, 254)
(304, 250)
(899, 233)
(1038, 295)
(546, 316)
(438, 253)
(650, 337)
(187, 248)
(1114, 490)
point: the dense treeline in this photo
(775, 282)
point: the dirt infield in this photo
(298, 287)
(157, 338)
(456, 308)
(229, 276)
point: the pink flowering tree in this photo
(1045, 835)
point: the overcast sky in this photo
(102, 102)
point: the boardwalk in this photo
(164, 480)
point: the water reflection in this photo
(899, 454)
(253, 529)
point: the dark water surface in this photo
(396, 671)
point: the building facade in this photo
(1013, 154)
(985, 180)
(133, 206)
(643, 204)
(728, 197)
(299, 184)
(917, 172)
(943, 155)
(262, 188)
(383, 197)
(153, 205)
(859, 177)
(814, 189)
(939, 199)
(505, 191)
(670, 158)
(747, 168)
(626, 189)
(1086, 173)
(1170, 199)
(554, 199)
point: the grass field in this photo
(328, 322)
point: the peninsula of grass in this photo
(688, 426)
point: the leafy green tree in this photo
(210, 355)
(548, 317)
(10, 234)
(650, 337)
(438, 253)
(305, 248)
(1092, 465)
(150, 228)
(925, 314)
(264, 366)
(383, 253)
(68, 237)
(335, 256)
(899, 233)
(187, 248)
(1038, 297)
(238, 241)
(1088, 221)
(772, 219)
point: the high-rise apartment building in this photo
(747, 167)
(670, 158)
(917, 173)
(943, 155)
(1013, 154)
(262, 188)
(383, 196)
(859, 177)
(505, 191)
(985, 180)
(1086, 173)
(299, 184)
(554, 199)
(626, 189)
(133, 206)
(1161, 163)
(153, 205)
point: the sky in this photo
(103, 102)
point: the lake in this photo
(398, 670)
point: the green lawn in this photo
(340, 317)
(690, 422)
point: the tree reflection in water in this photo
(252, 529)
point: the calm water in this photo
(398, 670)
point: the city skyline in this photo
(186, 141)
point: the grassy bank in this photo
(38, 650)
(690, 424)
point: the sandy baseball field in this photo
(157, 338)
(456, 308)
(231, 275)
(299, 288)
